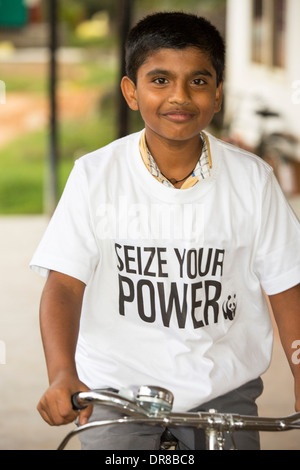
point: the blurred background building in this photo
(263, 83)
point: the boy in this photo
(159, 249)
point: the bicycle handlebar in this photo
(157, 411)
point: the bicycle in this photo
(153, 406)
(271, 139)
(280, 150)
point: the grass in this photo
(23, 161)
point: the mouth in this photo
(179, 116)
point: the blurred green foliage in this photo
(23, 160)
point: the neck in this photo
(175, 159)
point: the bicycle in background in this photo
(262, 130)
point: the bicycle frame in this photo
(138, 411)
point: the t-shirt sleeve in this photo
(278, 248)
(69, 244)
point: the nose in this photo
(179, 94)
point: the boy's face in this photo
(176, 93)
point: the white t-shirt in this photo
(174, 277)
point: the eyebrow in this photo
(204, 72)
(154, 72)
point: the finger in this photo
(63, 412)
(44, 413)
(84, 415)
(56, 412)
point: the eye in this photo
(160, 81)
(198, 81)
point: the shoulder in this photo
(110, 155)
(239, 162)
(104, 166)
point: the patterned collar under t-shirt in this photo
(201, 170)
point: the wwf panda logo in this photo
(229, 307)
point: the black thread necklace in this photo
(174, 181)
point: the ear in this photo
(219, 98)
(129, 92)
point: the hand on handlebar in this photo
(55, 406)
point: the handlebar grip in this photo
(75, 403)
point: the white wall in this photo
(249, 84)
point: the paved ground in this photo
(23, 376)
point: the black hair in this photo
(173, 30)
